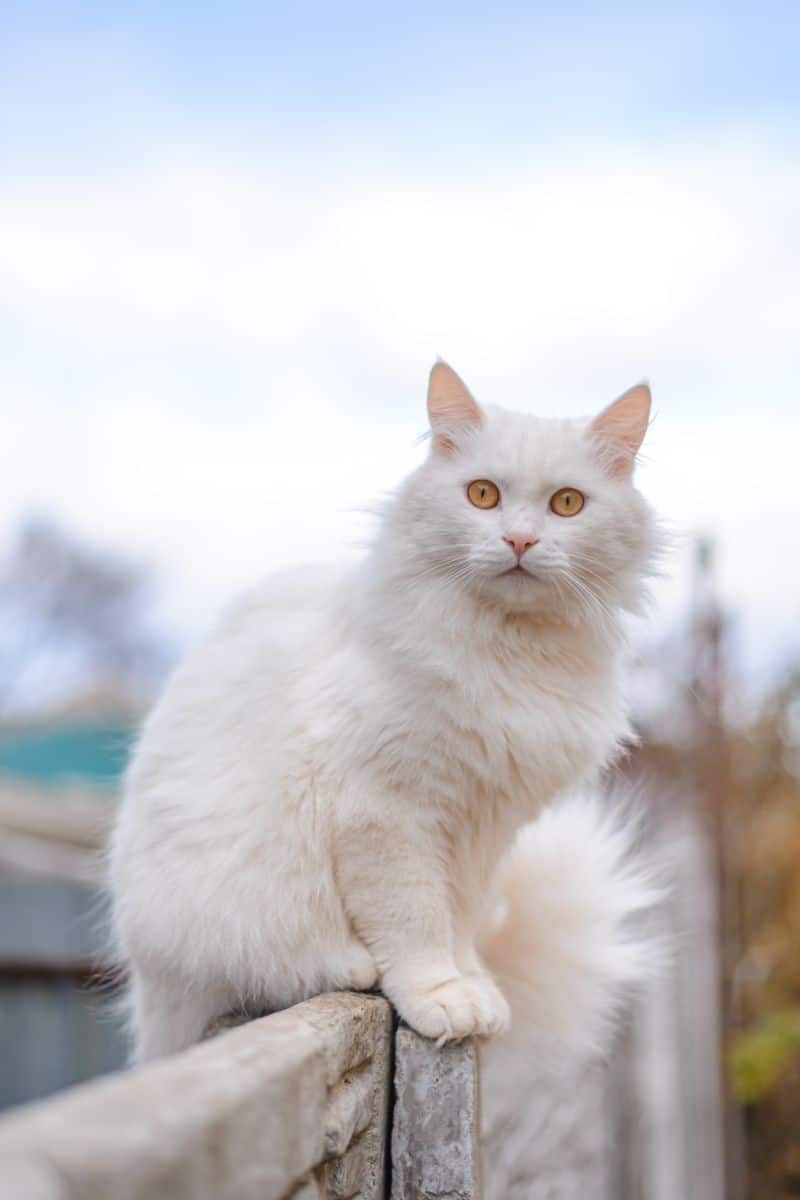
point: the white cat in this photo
(327, 792)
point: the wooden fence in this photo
(57, 1026)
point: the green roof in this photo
(91, 752)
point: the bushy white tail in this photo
(569, 946)
(566, 943)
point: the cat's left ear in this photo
(620, 429)
(451, 407)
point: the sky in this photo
(234, 238)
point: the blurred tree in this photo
(72, 618)
(737, 747)
(765, 1055)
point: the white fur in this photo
(323, 794)
(571, 942)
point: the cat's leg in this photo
(167, 1016)
(347, 964)
(360, 969)
(468, 959)
(395, 890)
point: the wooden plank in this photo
(51, 919)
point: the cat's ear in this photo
(620, 430)
(451, 407)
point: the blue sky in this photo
(233, 238)
(447, 77)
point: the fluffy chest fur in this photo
(507, 711)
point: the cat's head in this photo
(530, 514)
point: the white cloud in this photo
(211, 362)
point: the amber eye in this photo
(483, 493)
(567, 502)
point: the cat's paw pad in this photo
(463, 1007)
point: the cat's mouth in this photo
(518, 570)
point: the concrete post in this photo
(435, 1129)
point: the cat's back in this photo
(228, 698)
(214, 811)
(281, 608)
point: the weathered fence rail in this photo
(293, 1106)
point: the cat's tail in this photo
(567, 941)
(571, 941)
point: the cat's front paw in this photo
(462, 1007)
(361, 969)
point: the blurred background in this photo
(232, 241)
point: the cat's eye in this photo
(483, 493)
(567, 502)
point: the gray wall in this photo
(56, 1027)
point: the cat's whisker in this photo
(591, 603)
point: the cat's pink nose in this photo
(520, 542)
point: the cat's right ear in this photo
(620, 429)
(451, 407)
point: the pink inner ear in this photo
(621, 427)
(451, 406)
